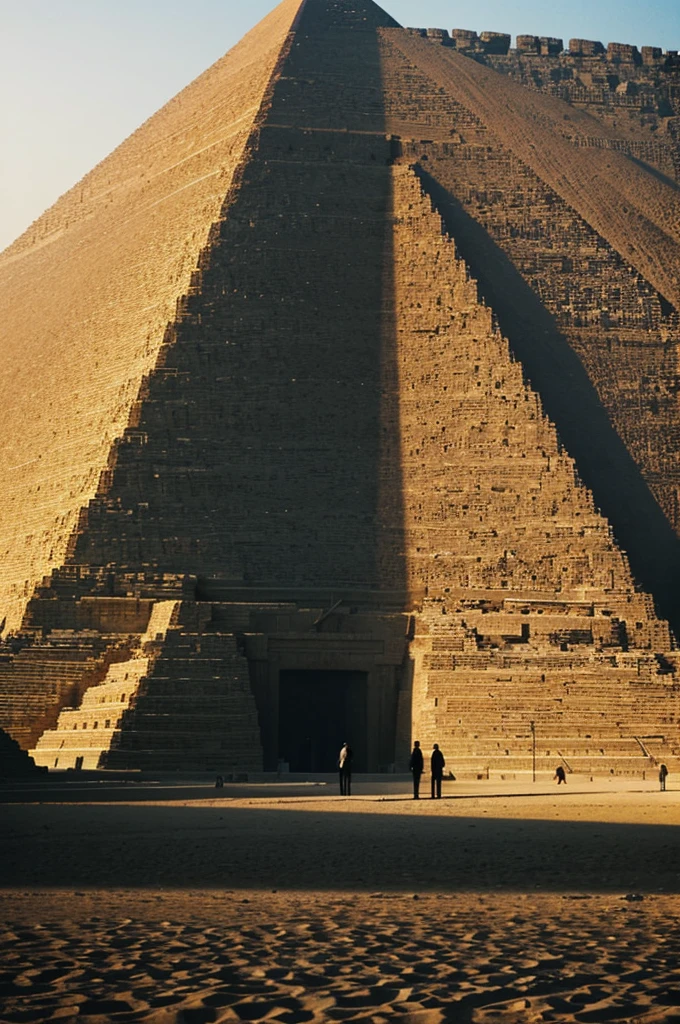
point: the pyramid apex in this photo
(355, 14)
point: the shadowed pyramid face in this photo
(265, 450)
(253, 335)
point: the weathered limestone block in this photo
(550, 46)
(586, 47)
(439, 35)
(495, 42)
(181, 700)
(464, 39)
(527, 44)
(651, 54)
(623, 53)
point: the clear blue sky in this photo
(78, 76)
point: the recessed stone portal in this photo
(318, 711)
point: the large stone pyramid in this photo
(340, 402)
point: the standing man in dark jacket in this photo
(416, 766)
(437, 763)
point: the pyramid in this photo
(341, 402)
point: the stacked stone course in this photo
(47, 674)
(634, 92)
(99, 717)
(585, 47)
(125, 239)
(485, 614)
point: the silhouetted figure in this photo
(560, 775)
(345, 769)
(219, 782)
(416, 766)
(663, 772)
(437, 763)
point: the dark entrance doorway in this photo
(318, 711)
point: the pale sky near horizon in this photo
(78, 76)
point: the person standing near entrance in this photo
(416, 766)
(345, 769)
(437, 763)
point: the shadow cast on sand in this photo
(321, 848)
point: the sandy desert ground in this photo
(502, 902)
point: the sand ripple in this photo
(209, 956)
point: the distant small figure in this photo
(560, 775)
(437, 763)
(345, 769)
(219, 782)
(416, 766)
(663, 772)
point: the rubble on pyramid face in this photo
(628, 89)
(499, 44)
(343, 460)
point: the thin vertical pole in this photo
(533, 750)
